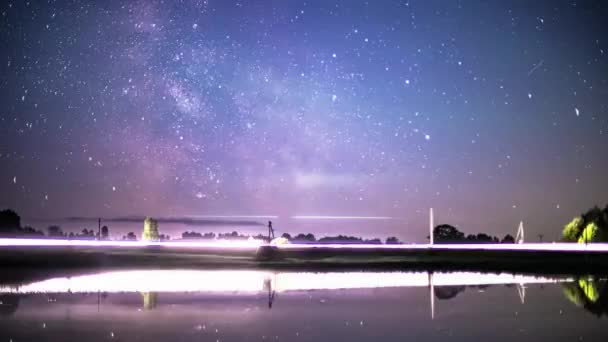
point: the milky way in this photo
(491, 112)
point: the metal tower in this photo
(519, 237)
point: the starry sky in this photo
(490, 112)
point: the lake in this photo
(252, 305)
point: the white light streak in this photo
(253, 244)
(329, 217)
(260, 281)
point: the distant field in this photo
(478, 257)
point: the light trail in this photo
(253, 244)
(322, 217)
(233, 216)
(261, 281)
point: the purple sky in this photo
(490, 112)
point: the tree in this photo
(55, 231)
(305, 237)
(508, 239)
(447, 234)
(590, 234)
(392, 241)
(286, 235)
(27, 230)
(10, 222)
(573, 230)
(130, 236)
(150, 230)
(579, 229)
(105, 233)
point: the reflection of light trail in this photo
(321, 217)
(259, 281)
(253, 244)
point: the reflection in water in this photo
(259, 281)
(590, 293)
(149, 283)
(150, 299)
(448, 292)
(189, 305)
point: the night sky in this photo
(490, 112)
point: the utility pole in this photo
(431, 224)
(270, 231)
(99, 228)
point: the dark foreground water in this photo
(186, 305)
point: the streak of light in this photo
(233, 216)
(252, 243)
(260, 281)
(322, 217)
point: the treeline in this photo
(446, 233)
(299, 238)
(10, 226)
(224, 236)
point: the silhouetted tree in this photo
(508, 239)
(340, 239)
(484, 238)
(374, 241)
(10, 222)
(105, 233)
(305, 237)
(30, 231)
(392, 241)
(286, 235)
(130, 236)
(445, 233)
(55, 231)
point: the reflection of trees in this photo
(8, 304)
(448, 292)
(589, 293)
(150, 300)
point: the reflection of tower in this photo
(519, 237)
(432, 294)
(521, 291)
(150, 299)
(268, 286)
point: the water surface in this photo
(195, 305)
